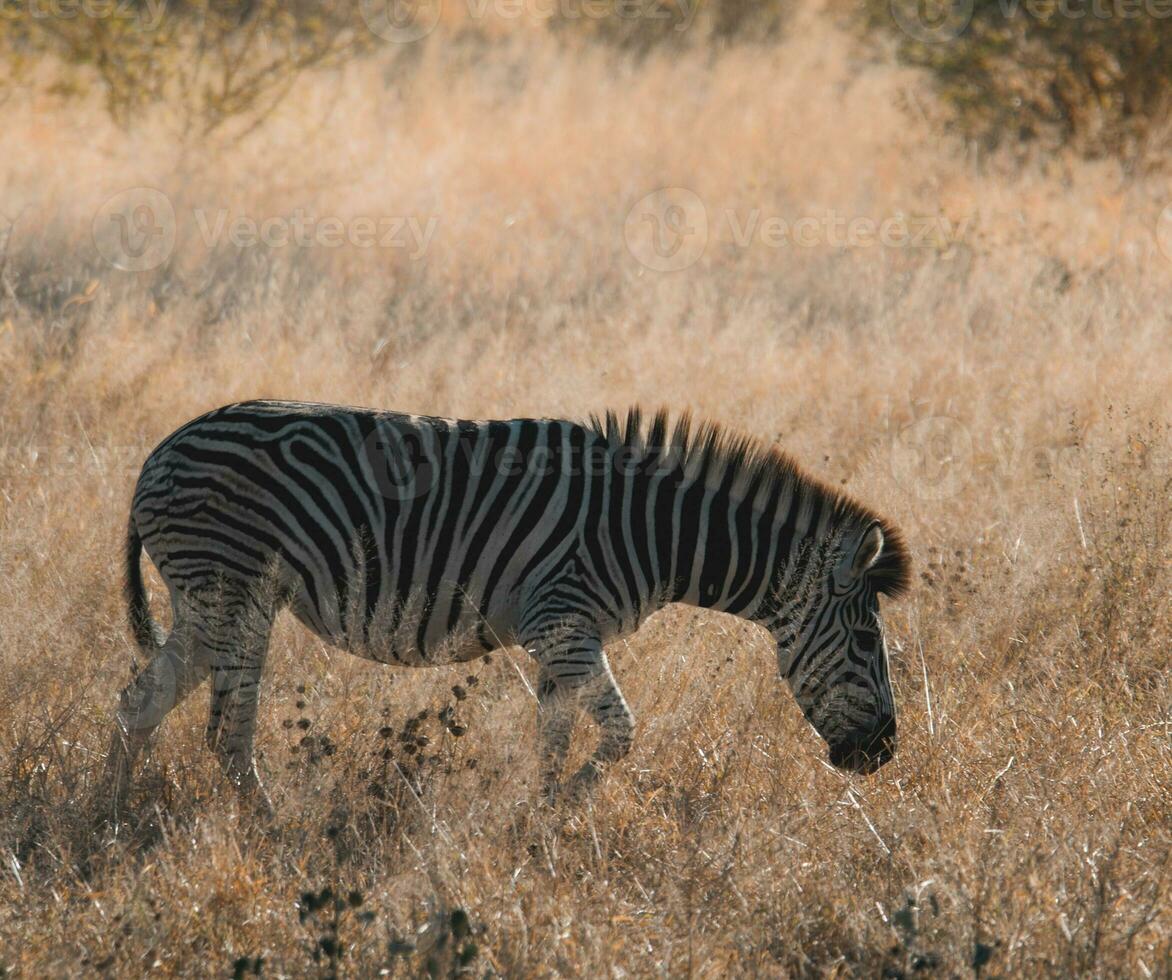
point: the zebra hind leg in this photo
(237, 651)
(173, 672)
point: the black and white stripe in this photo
(417, 541)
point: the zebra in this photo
(418, 541)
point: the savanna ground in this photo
(1000, 387)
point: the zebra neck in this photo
(752, 558)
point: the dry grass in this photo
(1004, 398)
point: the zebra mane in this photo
(711, 450)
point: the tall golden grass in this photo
(1000, 389)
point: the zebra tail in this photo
(147, 633)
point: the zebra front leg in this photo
(575, 672)
(613, 716)
(555, 723)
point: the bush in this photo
(213, 60)
(1094, 74)
(640, 26)
(221, 60)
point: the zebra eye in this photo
(865, 640)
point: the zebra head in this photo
(836, 665)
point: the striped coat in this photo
(416, 541)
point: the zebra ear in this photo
(867, 552)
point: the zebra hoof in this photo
(575, 789)
(256, 802)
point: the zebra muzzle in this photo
(864, 754)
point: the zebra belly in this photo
(418, 632)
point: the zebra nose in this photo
(866, 752)
(884, 735)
